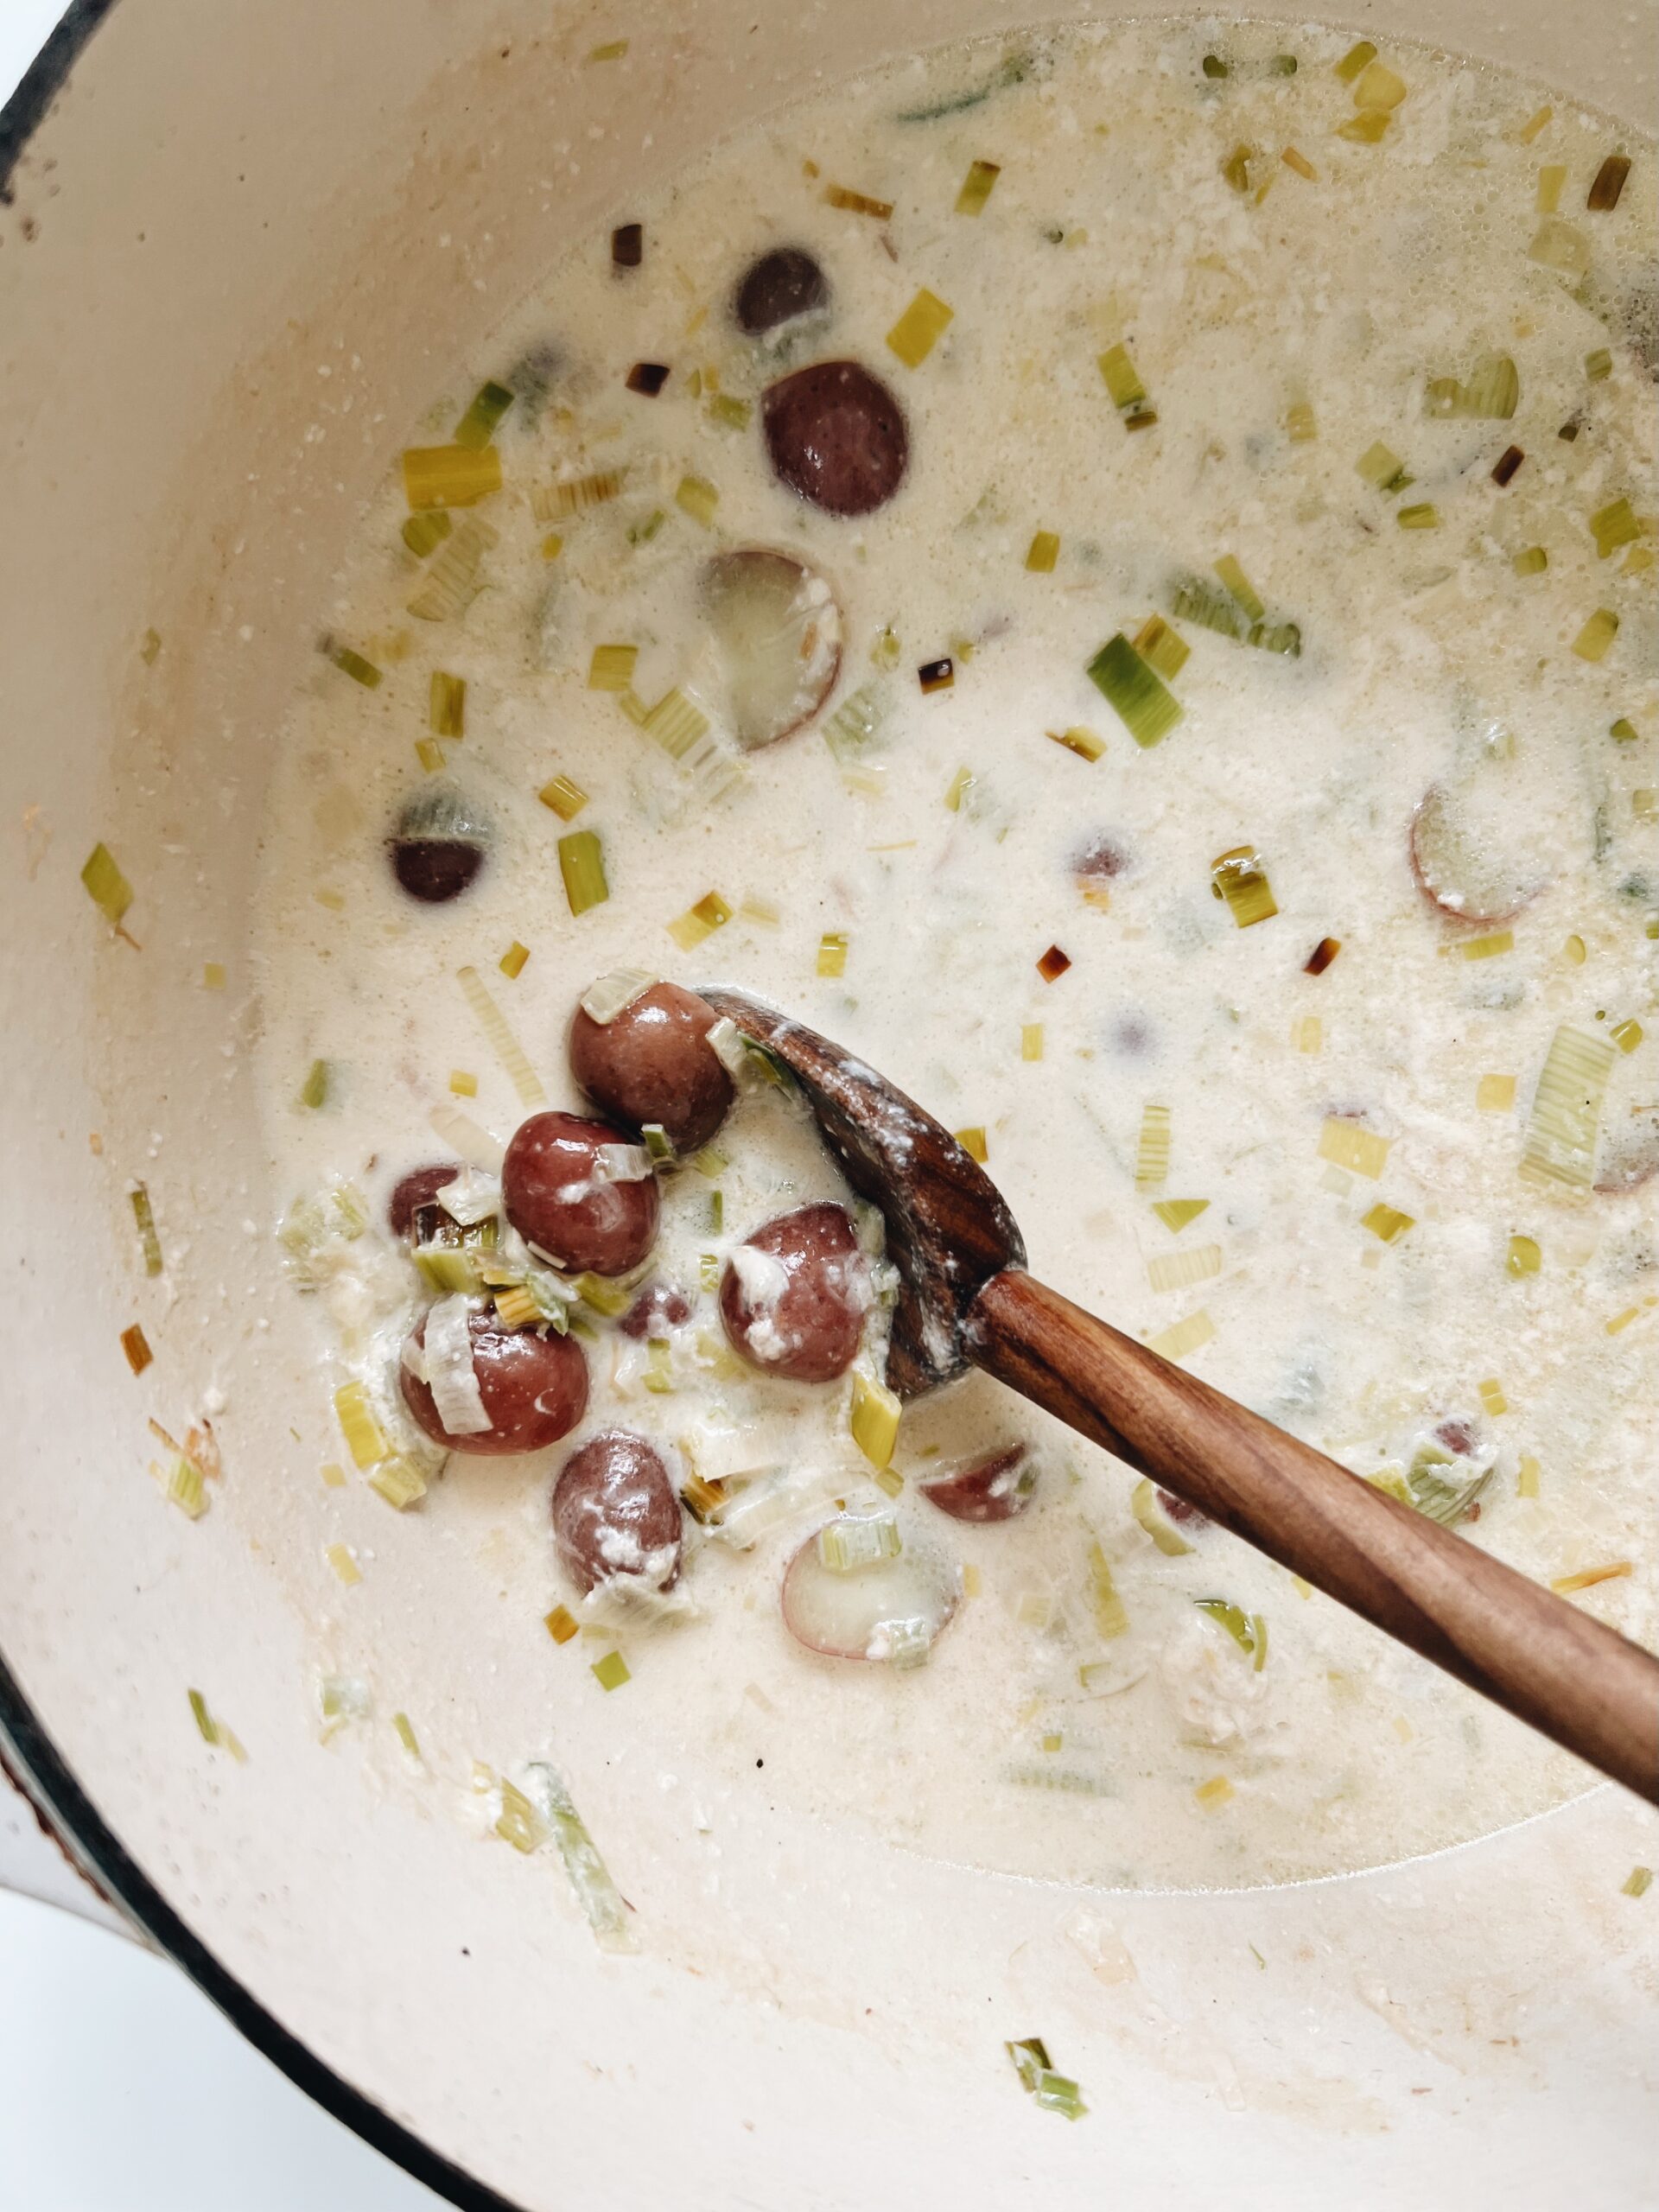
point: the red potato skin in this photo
(1179, 1509)
(534, 1388)
(1420, 878)
(607, 1229)
(820, 1313)
(658, 1310)
(988, 1490)
(654, 1064)
(414, 1193)
(836, 437)
(773, 290)
(615, 1485)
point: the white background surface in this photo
(121, 2089)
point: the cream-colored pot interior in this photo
(228, 198)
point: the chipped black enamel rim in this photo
(29, 1747)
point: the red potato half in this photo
(533, 1384)
(1629, 1155)
(776, 627)
(984, 1490)
(652, 1062)
(1485, 841)
(616, 1516)
(893, 1610)
(559, 1199)
(793, 1296)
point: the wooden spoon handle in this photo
(1553, 1665)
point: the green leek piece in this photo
(1176, 1213)
(565, 798)
(206, 1727)
(424, 533)
(446, 705)
(1382, 469)
(858, 1541)
(1387, 1222)
(1135, 692)
(1637, 1882)
(1625, 730)
(1532, 561)
(1143, 1503)
(1424, 516)
(1597, 635)
(1163, 647)
(1240, 586)
(1356, 58)
(1613, 526)
(450, 476)
(406, 1736)
(451, 582)
(520, 1823)
(1232, 1618)
(978, 187)
(582, 863)
(612, 1671)
(365, 1437)
(919, 328)
(1598, 365)
(314, 1092)
(108, 888)
(710, 913)
(659, 1377)
(873, 1419)
(596, 1893)
(1110, 1619)
(1560, 1143)
(609, 1299)
(478, 425)
(612, 668)
(1239, 877)
(1043, 552)
(1129, 394)
(697, 497)
(399, 1481)
(149, 1243)
(352, 663)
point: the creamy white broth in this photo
(1427, 662)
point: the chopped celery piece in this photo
(498, 1032)
(560, 1624)
(1110, 1619)
(512, 962)
(725, 407)
(690, 929)
(832, 952)
(1053, 965)
(1608, 184)
(972, 1141)
(1623, 730)
(1232, 1618)
(1299, 425)
(1532, 561)
(1217, 1791)
(448, 1268)
(1494, 1094)
(1152, 1148)
(445, 708)
(1239, 878)
(1053, 2092)
(917, 332)
(1183, 1337)
(1196, 1263)
(451, 583)
(1303, 167)
(1560, 1143)
(611, 1672)
(353, 663)
(136, 1344)
(1080, 740)
(577, 496)
(108, 888)
(1043, 552)
(582, 864)
(520, 1823)
(341, 1559)
(405, 1733)
(1598, 365)
(478, 425)
(1382, 469)
(607, 1298)
(1526, 1480)
(1492, 1399)
(149, 1243)
(1143, 1503)
(1163, 647)
(565, 798)
(1031, 1040)
(1424, 516)
(365, 1440)
(1626, 1034)
(1613, 526)
(450, 476)
(1347, 1144)
(185, 1488)
(978, 187)
(612, 50)
(1557, 245)
(1596, 636)
(659, 1377)
(612, 668)
(314, 1092)
(424, 533)
(1486, 947)
(697, 497)
(431, 754)
(207, 1726)
(873, 1419)
(856, 1541)
(857, 203)
(1239, 585)
(1356, 58)
(1366, 129)
(1135, 692)
(597, 1895)
(1587, 1577)
(212, 971)
(400, 1482)
(1636, 1882)
(1378, 89)
(675, 723)
(463, 1083)
(1129, 394)
(1177, 1213)
(1387, 1222)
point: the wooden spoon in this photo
(965, 1299)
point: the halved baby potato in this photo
(776, 631)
